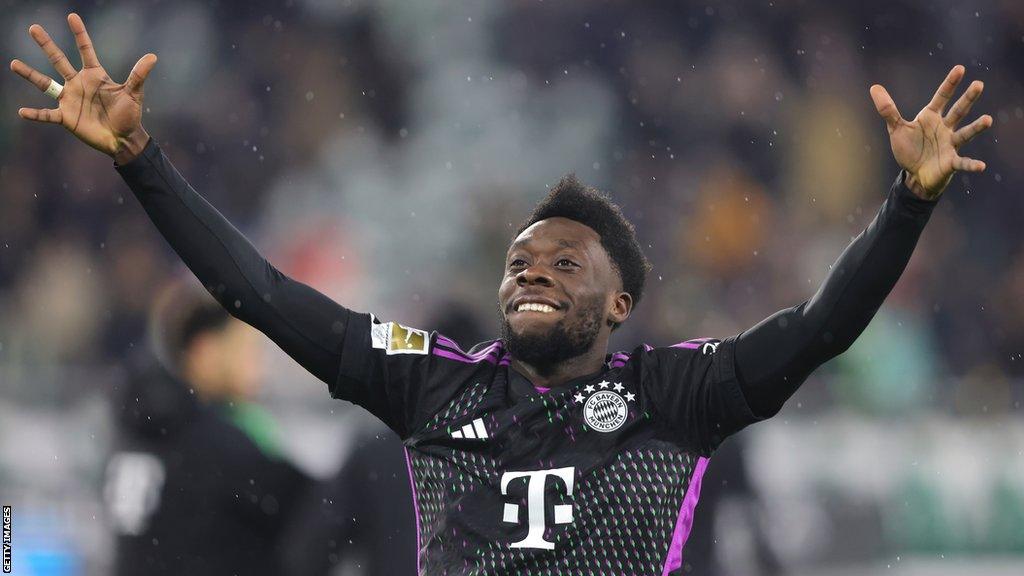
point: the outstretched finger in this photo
(967, 133)
(53, 52)
(965, 164)
(85, 49)
(139, 72)
(963, 103)
(52, 116)
(885, 106)
(946, 89)
(41, 81)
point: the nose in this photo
(534, 275)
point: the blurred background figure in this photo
(730, 534)
(361, 522)
(739, 137)
(198, 484)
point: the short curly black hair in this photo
(572, 199)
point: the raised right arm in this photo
(108, 116)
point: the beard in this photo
(567, 339)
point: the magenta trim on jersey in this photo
(685, 520)
(542, 389)
(415, 507)
(695, 343)
(449, 343)
(479, 355)
(492, 351)
(460, 358)
(618, 360)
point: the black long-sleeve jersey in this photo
(187, 490)
(598, 476)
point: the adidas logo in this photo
(474, 431)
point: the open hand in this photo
(100, 112)
(928, 146)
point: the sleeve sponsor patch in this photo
(394, 338)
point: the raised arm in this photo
(108, 116)
(774, 357)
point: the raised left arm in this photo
(774, 357)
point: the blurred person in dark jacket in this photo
(712, 549)
(361, 520)
(197, 484)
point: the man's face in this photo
(225, 362)
(558, 292)
(242, 367)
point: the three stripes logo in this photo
(472, 431)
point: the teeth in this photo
(534, 307)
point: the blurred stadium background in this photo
(384, 151)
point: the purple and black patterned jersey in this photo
(600, 475)
(597, 476)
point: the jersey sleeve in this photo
(400, 374)
(693, 390)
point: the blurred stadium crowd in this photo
(384, 152)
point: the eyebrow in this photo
(562, 243)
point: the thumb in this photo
(137, 77)
(885, 106)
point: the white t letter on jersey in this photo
(536, 505)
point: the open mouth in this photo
(535, 307)
(536, 304)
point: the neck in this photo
(562, 372)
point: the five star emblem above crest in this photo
(630, 396)
(578, 397)
(618, 387)
(603, 383)
(589, 388)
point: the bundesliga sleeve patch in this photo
(394, 338)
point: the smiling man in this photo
(573, 273)
(537, 453)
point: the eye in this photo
(516, 263)
(563, 262)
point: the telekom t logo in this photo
(535, 504)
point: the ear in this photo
(622, 305)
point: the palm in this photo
(97, 110)
(93, 107)
(927, 147)
(924, 146)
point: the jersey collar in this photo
(520, 386)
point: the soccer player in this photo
(538, 452)
(197, 484)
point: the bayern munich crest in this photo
(605, 410)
